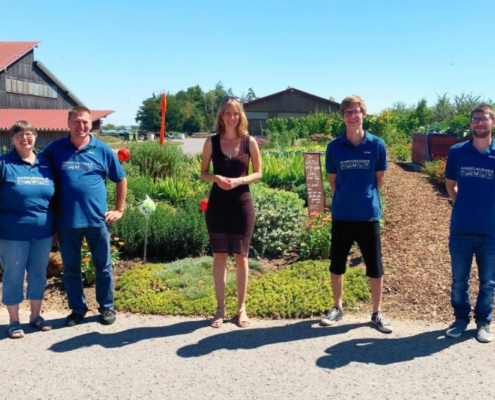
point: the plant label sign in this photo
(314, 182)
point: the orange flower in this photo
(85, 244)
(113, 248)
(86, 259)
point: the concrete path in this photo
(150, 357)
(193, 146)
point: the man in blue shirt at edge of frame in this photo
(470, 182)
(356, 162)
(81, 164)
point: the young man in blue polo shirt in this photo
(470, 182)
(356, 162)
(81, 164)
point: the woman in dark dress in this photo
(230, 214)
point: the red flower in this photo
(123, 154)
(203, 205)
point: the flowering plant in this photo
(203, 205)
(87, 267)
(315, 243)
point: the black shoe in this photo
(74, 319)
(108, 317)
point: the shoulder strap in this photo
(246, 143)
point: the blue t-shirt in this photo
(26, 193)
(474, 207)
(81, 196)
(356, 197)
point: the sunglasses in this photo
(228, 98)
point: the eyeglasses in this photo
(484, 120)
(27, 135)
(227, 98)
(357, 111)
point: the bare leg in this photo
(376, 293)
(35, 309)
(337, 289)
(219, 278)
(13, 313)
(242, 275)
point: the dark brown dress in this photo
(230, 213)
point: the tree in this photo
(149, 114)
(108, 127)
(250, 95)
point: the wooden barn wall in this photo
(24, 69)
(285, 105)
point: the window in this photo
(30, 88)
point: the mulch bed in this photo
(415, 246)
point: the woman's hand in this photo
(223, 182)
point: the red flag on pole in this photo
(164, 110)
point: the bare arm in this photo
(380, 178)
(332, 179)
(120, 195)
(224, 183)
(256, 175)
(451, 187)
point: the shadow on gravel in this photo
(253, 338)
(388, 350)
(125, 338)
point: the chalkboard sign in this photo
(314, 182)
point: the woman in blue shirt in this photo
(26, 226)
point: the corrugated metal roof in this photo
(12, 51)
(53, 120)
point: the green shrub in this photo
(282, 170)
(175, 189)
(186, 288)
(279, 218)
(158, 161)
(401, 152)
(172, 234)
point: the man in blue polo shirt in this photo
(81, 164)
(470, 183)
(356, 162)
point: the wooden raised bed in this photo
(438, 146)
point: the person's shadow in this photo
(385, 351)
(125, 338)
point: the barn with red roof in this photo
(30, 91)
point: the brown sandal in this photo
(242, 323)
(217, 320)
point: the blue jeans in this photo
(462, 248)
(19, 257)
(99, 244)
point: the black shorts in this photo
(367, 235)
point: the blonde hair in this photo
(78, 109)
(242, 126)
(350, 100)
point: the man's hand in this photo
(112, 216)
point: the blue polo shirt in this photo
(474, 207)
(356, 197)
(81, 198)
(26, 193)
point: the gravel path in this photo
(151, 357)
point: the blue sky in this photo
(114, 54)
